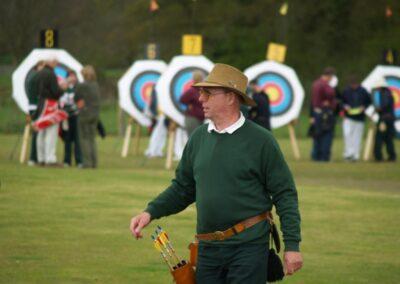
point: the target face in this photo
(283, 88)
(20, 75)
(181, 82)
(176, 80)
(142, 87)
(135, 88)
(279, 91)
(391, 74)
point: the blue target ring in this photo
(182, 81)
(279, 91)
(141, 88)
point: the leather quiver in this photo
(194, 248)
(184, 274)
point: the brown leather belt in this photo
(238, 228)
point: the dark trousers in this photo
(246, 263)
(33, 154)
(87, 138)
(322, 144)
(385, 137)
(71, 139)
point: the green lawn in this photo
(71, 225)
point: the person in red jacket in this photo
(323, 105)
(194, 114)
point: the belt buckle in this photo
(219, 235)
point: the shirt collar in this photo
(230, 129)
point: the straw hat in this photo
(380, 83)
(228, 77)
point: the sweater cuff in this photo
(153, 212)
(292, 246)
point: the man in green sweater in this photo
(235, 172)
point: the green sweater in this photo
(232, 177)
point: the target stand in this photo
(135, 90)
(127, 138)
(170, 144)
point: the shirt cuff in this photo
(292, 246)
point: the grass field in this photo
(71, 225)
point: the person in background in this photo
(385, 131)
(49, 92)
(33, 97)
(194, 115)
(87, 99)
(159, 132)
(322, 112)
(354, 101)
(70, 126)
(261, 113)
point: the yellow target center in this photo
(273, 93)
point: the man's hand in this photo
(28, 119)
(138, 223)
(293, 262)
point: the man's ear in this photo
(231, 98)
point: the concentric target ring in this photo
(180, 83)
(394, 86)
(141, 87)
(279, 91)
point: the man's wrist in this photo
(292, 246)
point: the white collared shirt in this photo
(230, 129)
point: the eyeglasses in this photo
(208, 92)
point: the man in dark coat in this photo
(385, 131)
(261, 113)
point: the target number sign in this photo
(176, 80)
(192, 44)
(276, 52)
(135, 88)
(283, 88)
(49, 38)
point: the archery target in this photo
(142, 87)
(283, 88)
(176, 80)
(279, 91)
(20, 75)
(180, 83)
(391, 74)
(135, 88)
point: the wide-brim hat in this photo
(227, 77)
(380, 83)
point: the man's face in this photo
(214, 101)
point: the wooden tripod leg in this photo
(293, 141)
(369, 142)
(171, 144)
(137, 138)
(25, 141)
(127, 139)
